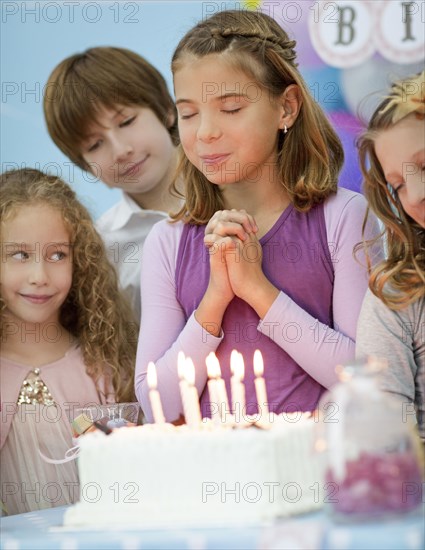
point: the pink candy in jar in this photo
(374, 455)
(376, 484)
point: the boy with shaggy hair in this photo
(110, 112)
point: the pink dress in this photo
(28, 482)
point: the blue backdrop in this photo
(36, 36)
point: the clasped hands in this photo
(235, 254)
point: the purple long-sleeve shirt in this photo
(166, 328)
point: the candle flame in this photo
(152, 378)
(258, 363)
(189, 371)
(237, 364)
(213, 365)
(181, 359)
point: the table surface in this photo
(43, 530)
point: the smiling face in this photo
(401, 153)
(36, 265)
(130, 149)
(228, 124)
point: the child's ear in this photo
(290, 101)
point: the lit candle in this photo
(222, 398)
(260, 384)
(213, 369)
(193, 418)
(155, 400)
(181, 365)
(238, 389)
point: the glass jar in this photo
(374, 456)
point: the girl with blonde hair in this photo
(68, 336)
(261, 254)
(392, 318)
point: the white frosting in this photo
(158, 475)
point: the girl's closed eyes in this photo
(187, 117)
(231, 111)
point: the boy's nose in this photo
(122, 151)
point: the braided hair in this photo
(310, 155)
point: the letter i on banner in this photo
(400, 35)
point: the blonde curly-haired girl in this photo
(68, 336)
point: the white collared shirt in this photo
(124, 228)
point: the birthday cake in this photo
(156, 475)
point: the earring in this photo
(285, 129)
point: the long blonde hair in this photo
(310, 156)
(398, 280)
(94, 311)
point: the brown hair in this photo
(399, 280)
(94, 312)
(257, 45)
(101, 77)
